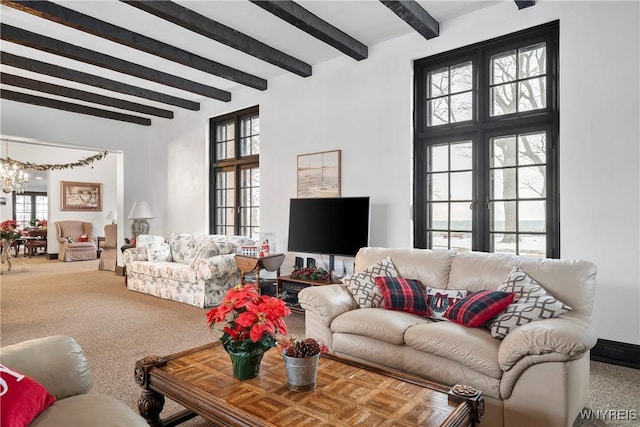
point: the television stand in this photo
(288, 287)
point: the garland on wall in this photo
(45, 167)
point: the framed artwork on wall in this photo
(80, 196)
(319, 174)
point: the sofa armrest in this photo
(566, 337)
(216, 267)
(327, 301)
(134, 254)
(57, 362)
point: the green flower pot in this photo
(246, 365)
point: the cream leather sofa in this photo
(59, 364)
(538, 375)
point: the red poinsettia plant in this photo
(249, 320)
(9, 229)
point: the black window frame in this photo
(483, 126)
(238, 163)
(32, 195)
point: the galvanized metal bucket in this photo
(301, 372)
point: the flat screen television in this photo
(331, 226)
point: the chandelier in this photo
(12, 177)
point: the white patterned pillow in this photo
(363, 285)
(439, 300)
(532, 302)
(159, 252)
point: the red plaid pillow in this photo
(403, 295)
(21, 398)
(478, 308)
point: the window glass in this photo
(486, 144)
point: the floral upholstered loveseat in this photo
(194, 269)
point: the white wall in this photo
(365, 109)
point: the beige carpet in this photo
(116, 327)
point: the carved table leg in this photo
(150, 403)
(475, 398)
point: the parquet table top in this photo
(347, 393)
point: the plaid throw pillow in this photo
(403, 295)
(478, 308)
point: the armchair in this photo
(109, 254)
(70, 246)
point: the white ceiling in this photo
(368, 21)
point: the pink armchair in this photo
(70, 246)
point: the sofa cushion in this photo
(403, 295)
(532, 302)
(159, 252)
(165, 270)
(473, 348)
(184, 246)
(439, 300)
(91, 409)
(431, 267)
(377, 323)
(363, 286)
(21, 398)
(478, 308)
(208, 249)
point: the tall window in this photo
(235, 173)
(486, 141)
(30, 206)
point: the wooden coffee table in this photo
(347, 394)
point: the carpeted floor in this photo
(116, 327)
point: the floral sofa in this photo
(195, 269)
(530, 358)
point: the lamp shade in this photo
(140, 210)
(112, 216)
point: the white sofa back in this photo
(571, 281)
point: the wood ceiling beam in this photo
(93, 80)
(522, 4)
(27, 38)
(91, 25)
(75, 108)
(53, 89)
(300, 17)
(193, 21)
(414, 15)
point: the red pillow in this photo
(403, 295)
(478, 308)
(21, 398)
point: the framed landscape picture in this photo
(319, 174)
(80, 196)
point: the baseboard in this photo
(616, 353)
(52, 256)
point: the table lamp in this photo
(140, 212)
(112, 216)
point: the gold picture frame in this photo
(319, 174)
(80, 196)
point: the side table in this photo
(246, 264)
